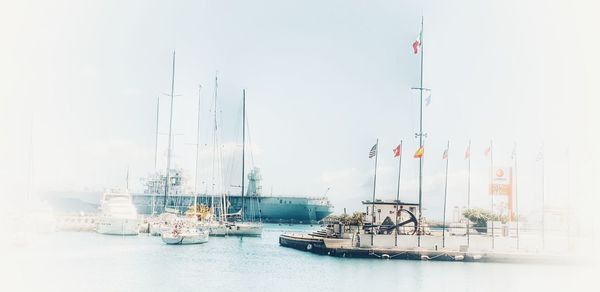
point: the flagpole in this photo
(399, 173)
(543, 199)
(398, 193)
(569, 200)
(516, 196)
(421, 141)
(373, 201)
(491, 189)
(445, 196)
(469, 195)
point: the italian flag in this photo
(417, 44)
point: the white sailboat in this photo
(243, 227)
(183, 233)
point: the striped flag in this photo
(488, 151)
(397, 150)
(419, 152)
(417, 43)
(373, 151)
(445, 155)
(468, 152)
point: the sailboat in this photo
(216, 223)
(242, 227)
(185, 232)
(181, 230)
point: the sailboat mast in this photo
(197, 152)
(170, 132)
(212, 198)
(156, 133)
(243, 147)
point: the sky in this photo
(79, 84)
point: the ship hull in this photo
(265, 208)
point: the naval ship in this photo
(273, 209)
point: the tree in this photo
(356, 218)
(479, 217)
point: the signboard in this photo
(501, 181)
(501, 187)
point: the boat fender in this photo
(476, 257)
(309, 246)
(385, 256)
(459, 258)
(424, 258)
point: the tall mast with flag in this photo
(418, 49)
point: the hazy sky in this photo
(79, 83)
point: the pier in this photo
(350, 248)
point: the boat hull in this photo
(244, 229)
(117, 226)
(185, 238)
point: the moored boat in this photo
(118, 214)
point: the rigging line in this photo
(249, 140)
(232, 157)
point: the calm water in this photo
(94, 262)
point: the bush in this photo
(479, 217)
(355, 219)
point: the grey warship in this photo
(273, 209)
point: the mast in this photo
(243, 147)
(197, 154)
(156, 133)
(420, 135)
(170, 132)
(212, 198)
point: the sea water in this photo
(80, 261)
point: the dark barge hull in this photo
(318, 245)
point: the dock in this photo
(344, 248)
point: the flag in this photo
(397, 150)
(417, 44)
(445, 155)
(373, 151)
(468, 152)
(514, 152)
(488, 151)
(428, 99)
(540, 155)
(419, 152)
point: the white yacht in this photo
(118, 215)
